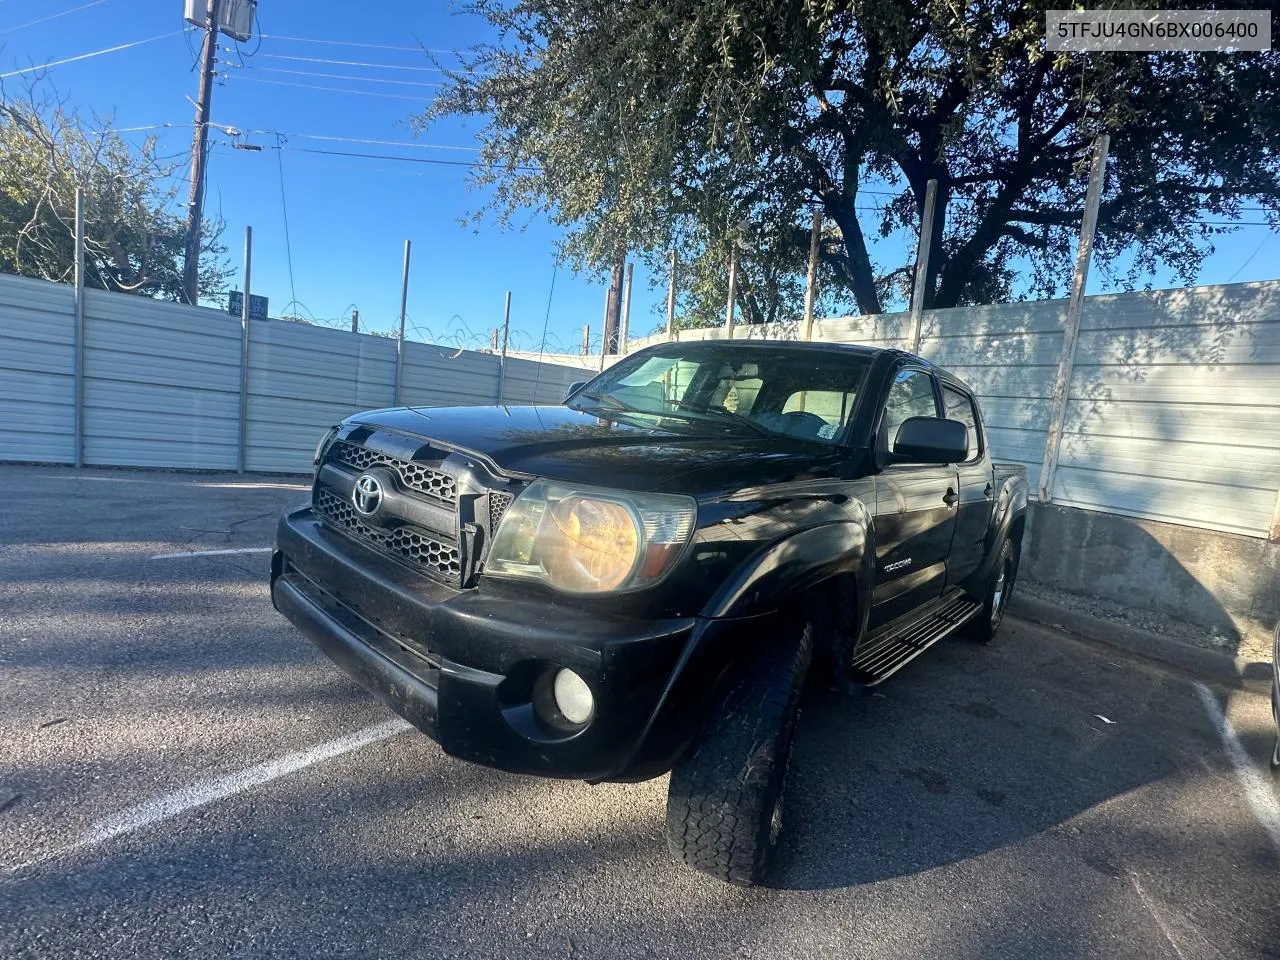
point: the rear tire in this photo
(724, 803)
(983, 627)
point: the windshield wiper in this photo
(720, 413)
(613, 402)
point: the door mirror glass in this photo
(931, 440)
(574, 388)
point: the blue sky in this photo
(348, 217)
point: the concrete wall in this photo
(1227, 585)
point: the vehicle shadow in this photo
(971, 749)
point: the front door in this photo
(915, 510)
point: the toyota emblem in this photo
(366, 496)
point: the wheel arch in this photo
(821, 571)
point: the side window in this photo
(910, 396)
(958, 406)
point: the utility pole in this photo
(733, 294)
(671, 300)
(200, 155)
(404, 308)
(613, 307)
(811, 285)
(922, 263)
(1062, 382)
(586, 339)
(626, 312)
(502, 361)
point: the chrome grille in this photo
(404, 542)
(498, 503)
(415, 476)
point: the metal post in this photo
(922, 263)
(671, 300)
(604, 337)
(355, 321)
(624, 327)
(811, 285)
(502, 360)
(404, 307)
(1071, 331)
(79, 331)
(244, 351)
(733, 294)
(586, 339)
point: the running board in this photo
(885, 655)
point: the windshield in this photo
(770, 390)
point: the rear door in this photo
(973, 511)
(915, 518)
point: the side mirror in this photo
(574, 388)
(932, 440)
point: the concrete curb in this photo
(1214, 665)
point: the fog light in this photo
(573, 697)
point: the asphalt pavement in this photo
(182, 775)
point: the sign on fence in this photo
(257, 305)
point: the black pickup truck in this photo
(643, 579)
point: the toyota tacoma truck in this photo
(643, 579)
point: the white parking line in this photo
(171, 805)
(1257, 791)
(209, 553)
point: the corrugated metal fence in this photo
(162, 381)
(1173, 411)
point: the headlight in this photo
(585, 540)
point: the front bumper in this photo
(462, 666)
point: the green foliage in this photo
(672, 123)
(133, 236)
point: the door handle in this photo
(951, 498)
(987, 492)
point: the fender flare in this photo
(737, 620)
(798, 562)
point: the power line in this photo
(343, 76)
(55, 16)
(318, 89)
(1248, 261)
(284, 209)
(352, 43)
(336, 139)
(360, 63)
(86, 56)
(378, 156)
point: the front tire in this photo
(725, 800)
(986, 623)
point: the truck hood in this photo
(561, 443)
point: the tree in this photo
(646, 125)
(133, 236)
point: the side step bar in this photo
(886, 654)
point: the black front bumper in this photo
(463, 666)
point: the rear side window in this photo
(910, 396)
(959, 406)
